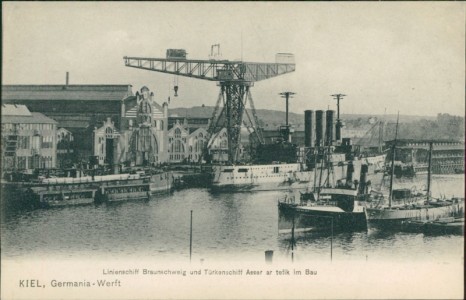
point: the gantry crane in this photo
(235, 79)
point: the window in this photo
(108, 133)
(178, 146)
(22, 162)
(177, 133)
(224, 143)
(47, 141)
(24, 142)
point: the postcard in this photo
(232, 150)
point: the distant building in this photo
(186, 144)
(219, 147)
(143, 139)
(77, 108)
(109, 125)
(190, 122)
(447, 155)
(65, 148)
(28, 139)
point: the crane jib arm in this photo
(214, 70)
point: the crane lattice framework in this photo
(235, 79)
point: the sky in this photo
(386, 57)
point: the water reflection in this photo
(234, 226)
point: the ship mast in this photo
(393, 162)
(429, 170)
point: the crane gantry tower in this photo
(235, 79)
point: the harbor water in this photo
(226, 226)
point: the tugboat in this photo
(342, 207)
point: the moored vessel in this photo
(342, 207)
(283, 166)
(68, 191)
(425, 208)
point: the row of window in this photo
(154, 123)
(24, 142)
(176, 156)
(29, 162)
(256, 176)
(10, 126)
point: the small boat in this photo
(445, 226)
(448, 225)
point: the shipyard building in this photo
(110, 125)
(28, 139)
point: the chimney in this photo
(67, 78)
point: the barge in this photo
(65, 191)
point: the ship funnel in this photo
(363, 179)
(319, 128)
(308, 128)
(329, 127)
(338, 130)
(349, 174)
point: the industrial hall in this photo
(109, 125)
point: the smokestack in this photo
(67, 78)
(349, 174)
(363, 179)
(308, 128)
(329, 127)
(319, 127)
(338, 130)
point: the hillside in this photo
(275, 118)
(443, 126)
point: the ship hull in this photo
(339, 209)
(319, 218)
(161, 183)
(59, 192)
(250, 178)
(394, 216)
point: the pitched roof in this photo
(15, 110)
(34, 118)
(66, 92)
